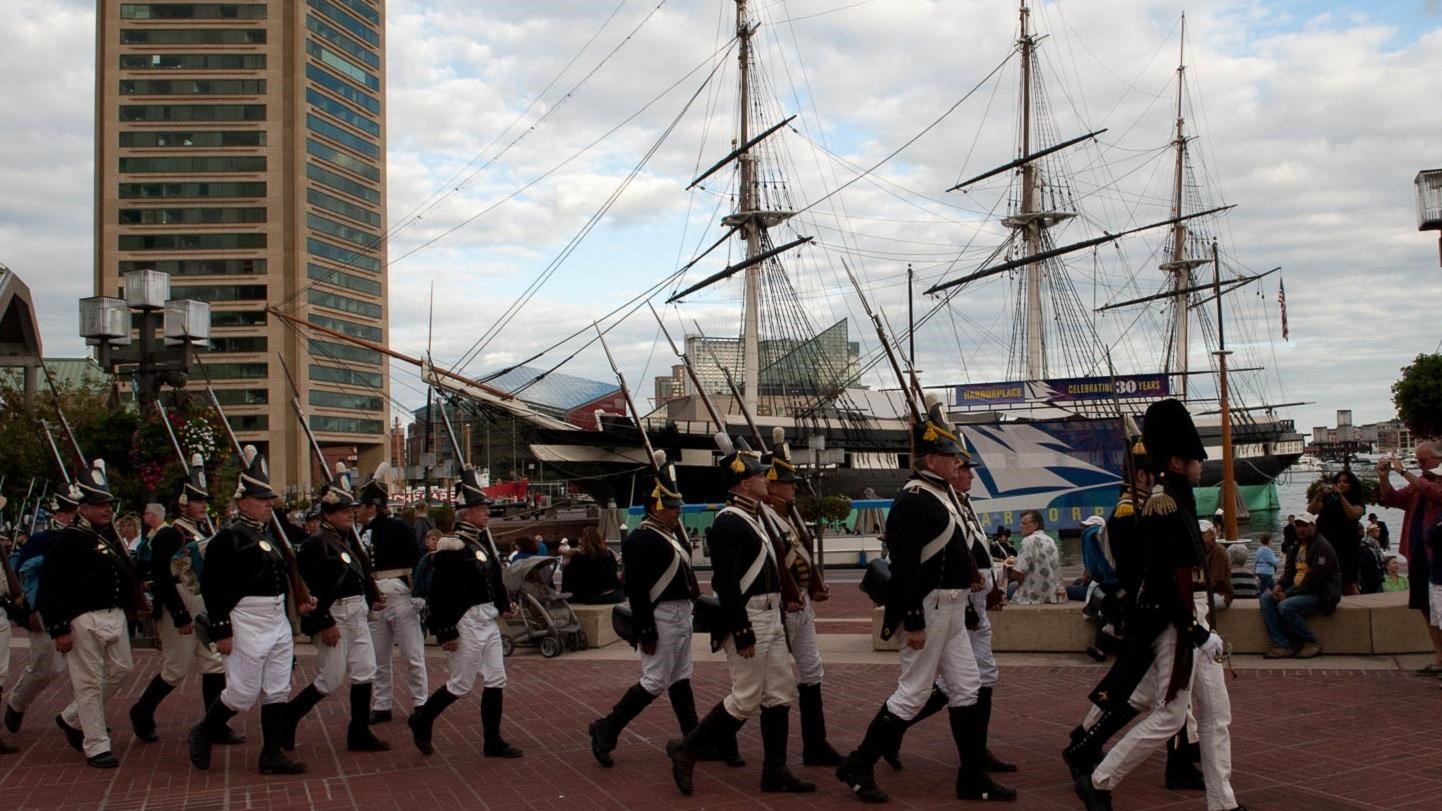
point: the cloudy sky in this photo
(553, 141)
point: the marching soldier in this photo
(1171, 574)
(338, 575)
(747, 577)
(182, 651)
(394, 551)
(661, 589)
(245, 579)
(12, 597)
(27, 561)
(88, 592)
(467, 597)
(780, 508)
(933, 574)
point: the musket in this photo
(310, 437)
(640, 427)
(303, 599)
(55, 452)
(64, 423)
(910, 387)
(35, 516)
(461, 460)
(179, 452)
(25, 502)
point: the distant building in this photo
(790, 367)
(1387, 437)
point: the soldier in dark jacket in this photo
(338, 575)
(394, 551)
(660, 590)
(245, 579)
(181, 649)
(467, 597)
(88, 592)
(45, 662)
(748, 579)
(933, 573)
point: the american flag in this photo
(1282, 302)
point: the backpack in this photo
(188, 564)
(1369, 569)
(422, 576)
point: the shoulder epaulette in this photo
(1125, 509)
(1159, 503)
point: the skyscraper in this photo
(240, 147)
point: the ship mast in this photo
(750, 227)
(1178, 264)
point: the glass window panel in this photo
(191, 242)
(343, 303)
(357, 28)
(354, 402)
(192, 112)
(192, 61)
(237, 318)
(345, 377)
(192, 87)
(343, 89)
(241, 397)
(192, 11)
(331, 34)
(219, 292)
(341, 279)
(237, 371)
(190, 216)
(174, 164)
(337, 62)
(356, 236)
(132, 191)
(345, 256)
(344, 425)
(338, 206)
(341, 183)
(341, 159)
(335, 109)
(199, 267)
(145, 139)
(192, 36)
(350, 328)
(341, 136)
(237, 343)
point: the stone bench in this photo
(1366, 624)
(596, 622)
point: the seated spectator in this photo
(1095, 567)
(1003, 539)
(1311, 584)
(1037, 566)
(1393, 579)
(526, 546)
(591, 577)
(1369, 564)
(1244, 583)
(1266, 563)
(1218, 570)
(1384, 535)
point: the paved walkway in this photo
(1320, 738)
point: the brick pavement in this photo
(1365, 740)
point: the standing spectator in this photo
(1384, 535)
(1421, 500)
(1369, 563)
(1289, 537)
(592, 575)
(1310, 584)
(1338, 506)
(129, 528)
(1266, 563)
(422, 522)
(1218, 570)
(1393, 579)
(1037, 568)
(1244, 583)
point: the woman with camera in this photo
(1339, 506)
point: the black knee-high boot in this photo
(605, 732)
(6, 748)
(857, 771)
(493, 745)
(275, 725)
(1085, 751)
(422, 721)
(358, 736)
(215, 717)
(211, 686)
(683, 703)
(935, 703)
(296, 709)
(142, 714)
(712, 731)
(1182, 773)
(815, 750)
(775, 777)
(972, 781)
(989, 761)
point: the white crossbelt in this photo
(935, 545)
(754, 570)
(664, 581)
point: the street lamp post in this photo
(1429, 203)
(106, 321)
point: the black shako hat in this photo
(337, 495)
(255, 477)
(194, 488)
(1167, 431)
(664, 493)
(94, 486)
(782, 470)
(64, 501)
(935, 435)
(376, 492)
(738, 462)
(468, 489)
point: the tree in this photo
(1418, 396)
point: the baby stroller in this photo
(545, 619)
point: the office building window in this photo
(249, 422)
(363, 9)
(237, 318)
(347, 352)
(345, 138)
(334, 60)
(346, 327)
(345, 161)
(191, 242)
(242, 397)
(192, 87)
(237, 343)
(335, 205)
(344, 89)
(199, 267)
(330, 34)
(365, 240)
(192, 11)
(354, 402)
(343, 303)
(342, 279)
(133, 191)
(341, 184)
(192, 112)
(344, 256)
(237, 371)
(145, 140)
(187, 164)
(190, 216)
(192, 61)
(192, 36)
(345, 377)
(335, 109)
(219, 292)
(344, 425)
(360, 30)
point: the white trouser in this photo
(258, 666)
(1165, 719)
(183, 654)
(5, 651)
(765, 679)
(478, 652)
(980, 638)
(801, 630)
(353, 655)
(44, 665)
(98, 661)
(946, 659)
(672, 660)
(1213, 708)
(399, 624)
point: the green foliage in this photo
(828, 509)
(444, 516)
(1418, 396)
